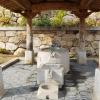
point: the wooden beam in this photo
(54, 6)
(24, 4)
(85, 3)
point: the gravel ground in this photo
(20, 82)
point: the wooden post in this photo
(29, 41)
(82, 52)
(2, 91)
(82, 34)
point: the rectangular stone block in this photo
(28, 57)
(51, 71)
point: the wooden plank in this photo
(24, 4)
(85, 3)
(54, 6)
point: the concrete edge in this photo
(9, 63)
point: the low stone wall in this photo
(14, 38)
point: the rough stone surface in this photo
(2, 33)
(97, 37)
(90, 37)
(13, 39)
(36, 41)
(20, 82)
(4, 39)
(11, 46)
(2, 45)
(10, 33)
(66, 38)
(19, 52)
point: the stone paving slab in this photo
(20, 82)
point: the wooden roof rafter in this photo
(24, 4)
(54, 5)
(85, 3)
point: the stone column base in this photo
(2, 91)
(28, 57)
(81, 57)
(97, 85)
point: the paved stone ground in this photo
(20, 82)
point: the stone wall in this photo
(14, 38)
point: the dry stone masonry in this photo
(15, 38)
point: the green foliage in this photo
(42, 21)
(21, 21)
(58, 18)
(4, 51)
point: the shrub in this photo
(21, 21)
(4, 21)
(42, 21)
(58, 18)
(4, 51)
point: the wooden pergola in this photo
(29, 8)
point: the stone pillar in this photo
(97, 80)
(2, 91)
(29, 42)
(81, 53)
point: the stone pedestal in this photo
(81, 57)
(2, 91)
(48, 91)
(97, 85)
(28, 57)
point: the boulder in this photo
(2, 45)
(11, 46)
(36, 41)
(19, 52)
(10, 33)
(13, 40)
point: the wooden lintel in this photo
(85, 3)
(82, 14)
(24, 4)
(54, 6)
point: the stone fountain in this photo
(52, 64)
